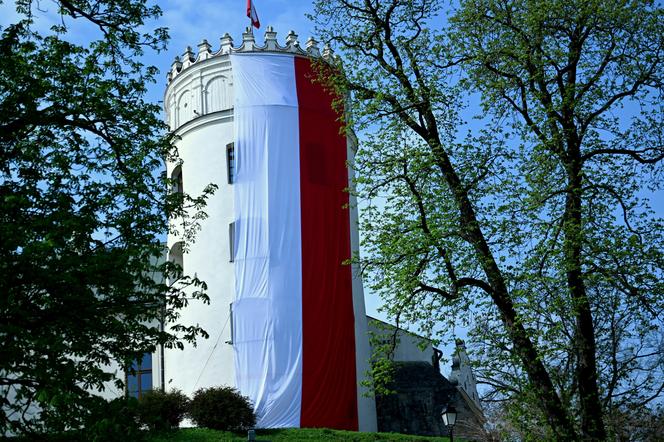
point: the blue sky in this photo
(189, 22)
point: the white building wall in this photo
(409, 347)
(198, 104)
(202, 149)
(366, 403)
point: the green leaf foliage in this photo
(162, 410)
(84, 209)
(109, 421)
(509, 154)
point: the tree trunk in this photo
(538, 376)
(592, 426)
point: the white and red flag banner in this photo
(293, 317)
(252, 14)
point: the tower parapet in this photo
(291, 46)
(200, 85)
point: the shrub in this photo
(111, 421)
(161, 410)
(221, 408)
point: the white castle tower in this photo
(286, 320)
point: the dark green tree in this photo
(533, 230)
(84, 209)
(221, 408)
(162, 410)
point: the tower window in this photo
(140, 382)
(176, 176)
(231, 241)
(230, 317)
(176, 254)
(230, 162)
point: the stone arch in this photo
(217, 94)
(185, 107)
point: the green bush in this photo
(221, 408)
(160, 410)
(112, 421)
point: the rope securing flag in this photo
(252, 14)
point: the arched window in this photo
(231, 241)
(176, 176)
(175, 255)
(217, 95)
(185, 109)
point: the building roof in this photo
(387, 324)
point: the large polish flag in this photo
(293, 323)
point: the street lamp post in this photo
(449, 415)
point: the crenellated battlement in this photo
(292, 46)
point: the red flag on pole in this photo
(251, 13)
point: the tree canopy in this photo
(531, 225)
(85, 210)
